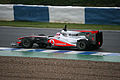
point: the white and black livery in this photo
(80, 39)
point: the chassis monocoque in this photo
(80, 39)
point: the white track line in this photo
(74, 52)
(101, 53)
(49, 51)
(24, 49)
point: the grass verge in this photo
(58, 25)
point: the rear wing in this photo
(99, 38)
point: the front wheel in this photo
(82, 45)
(27, 43)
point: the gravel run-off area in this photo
(26, 68)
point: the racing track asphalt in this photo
(10, 34)
(26, 68)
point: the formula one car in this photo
(80, 39)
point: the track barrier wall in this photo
(61, 14)
(102, 15)
(67, 14)
(6, 12)
(31, 13)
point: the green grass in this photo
(58, 25)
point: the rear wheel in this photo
(27, 43)
(82, 45)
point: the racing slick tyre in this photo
(27, 43)
(82, 44)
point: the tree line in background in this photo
(92, 3)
